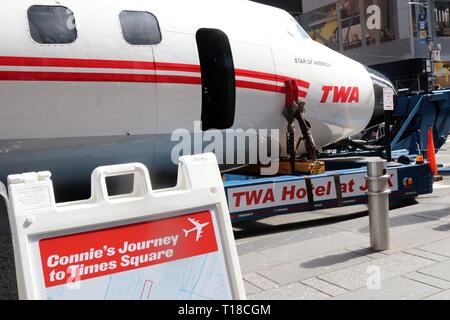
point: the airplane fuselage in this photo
(102, 100)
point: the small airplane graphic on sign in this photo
(197, 227)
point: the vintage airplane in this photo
(98, 82)
(198, 228)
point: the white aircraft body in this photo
(85, 83)
(198, 228)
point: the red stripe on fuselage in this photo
(265, 87)
(177, 67)
(100, 64)
(131, 65)
(270, 77)
(95, 77)
(178, 79)
(258, 86)
(75, 63)
(75, 76)
(255, 74)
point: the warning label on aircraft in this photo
(388, 99)
(174, 258)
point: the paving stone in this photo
(303, 250)
(440, 247)
(427, 255)
(414, 238)
(429, 280)
(356, 276)
(444, 295)
(399, 222)
(444, 227)
(254, 261)
(294, 291)
(300, 270)
(436, 209)
(260, 281)
(324, 286)
(439, 270)
(366, 252)
(8, 286)
(5, 230)
(250, 288)
(268, 241)
(353, 225)
(393, 289)
(402, 222)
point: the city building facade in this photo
(392, 36)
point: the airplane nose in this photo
(379, 82)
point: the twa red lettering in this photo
(366, 186)
(255, 197)
(340, 94)
(269, 197)
(348, 188)
(294, 193)
(354, 96)
(326, 92)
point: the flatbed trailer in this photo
(343, 183)
(254, 198)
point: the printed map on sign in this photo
(176, 258)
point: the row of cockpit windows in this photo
(57, 25)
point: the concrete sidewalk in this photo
(334, 261)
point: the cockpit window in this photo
(296, 30)
(303, 33)
(52, 24)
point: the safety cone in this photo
(431, 153)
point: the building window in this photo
(351, 23)
(52, 24)
(442, 18)
(387, 32)
(140, 28)
(322, 25)
(371, 35)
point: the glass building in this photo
(349, 26)
(345, 25)
(396, 42)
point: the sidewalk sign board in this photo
(150, 244)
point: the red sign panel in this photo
(98, 253)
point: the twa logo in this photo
(254, 197)
(340, 94)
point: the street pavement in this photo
(300, 257)
(333, 260)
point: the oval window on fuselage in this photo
(52, 24)
(140, 28)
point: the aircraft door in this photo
(218, 79)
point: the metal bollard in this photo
(378, 193)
